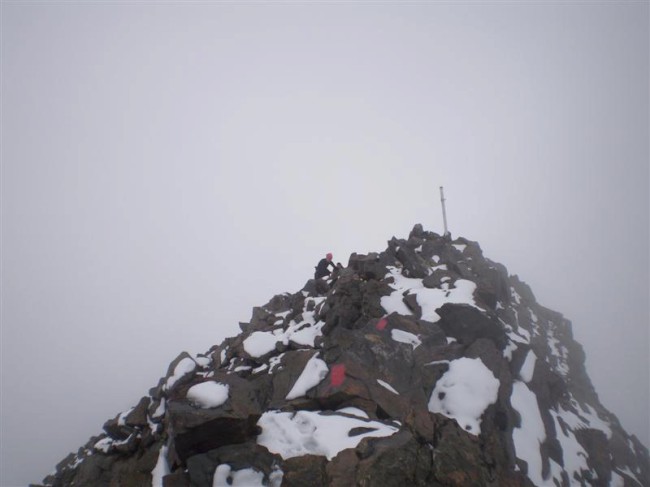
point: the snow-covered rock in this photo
(424, 364)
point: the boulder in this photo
(467, 324)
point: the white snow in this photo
(314, 372)
(202, 361)
(261, 368)
(313, 433)
(510, 347)
(352, 411)
(161, 469)
(586, 419)
(104, 444)
(275, 362)
(555, 477)
(78, 460)
(405, 337)
(224, 476)
(459, 247)
(617, 480)
(275, 477)
(595, 422)
(531, 433)
(522, 334)
(184, 367)
(152, 426)
(121, 418)
(387, 386)
(630, 474)
(574, 455)
(437, 362)
(560, 352)
(306, 335)
(160, 410)
(515, 337)
(208, 394)
(305, 332)
(464, 392)
(528, 367)
(428, 299)
(260, 343)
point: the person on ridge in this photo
(322, 267)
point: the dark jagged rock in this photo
(467, 324)
(424, 364)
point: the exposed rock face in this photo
(425, 364)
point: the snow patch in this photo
(428, 299)
(405, 337)
(224, 476)
(574, 455)
(261, 368)
(387, 386)
(531, 433)
(586, 419)
(208, 394)
(510, 347)
(314, 372)
(438, 362)
(559, 353)
(315, 433)
(202, 361)
(160, 410)
(625, 470)
(305, 332)
(161, 469)
(352, 411)
(182, 368)
(306, 335)
(528, 368)
(104, 444)
(275, 362)
(464, 392)
(260, 343)
(617, 480)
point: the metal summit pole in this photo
(444, 212)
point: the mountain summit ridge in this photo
(423, 364)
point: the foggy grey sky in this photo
(168, 166)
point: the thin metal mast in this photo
(444, 211)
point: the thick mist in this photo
(166, 167)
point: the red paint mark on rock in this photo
(381, 324)
(337, 375)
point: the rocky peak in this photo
(424, 364)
